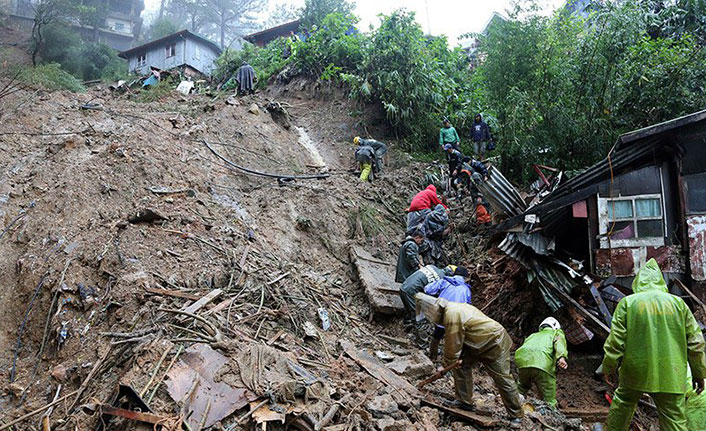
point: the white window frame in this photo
(604, 223)
(142, 59)
(170, 52)
(197, 52)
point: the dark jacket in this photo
(408, 260)
(245, 75)
(480, 131)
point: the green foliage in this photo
(162, 27)
(564, 101)
(85, 60)
(52, 77)
(267, 61)
(315, 11)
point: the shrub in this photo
(52, 77)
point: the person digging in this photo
(538, 358)
(473, 337)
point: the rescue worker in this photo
(653, 337)
(435, 228)
(469, 172)
(416, 283)
(448, 135)
(365, 155)
(480, 135)
(482, 214)
(453, 288)
(245, 75)
(538, 358)
(453, 157)
(695, 406)
(421, 205)
(408, 260)
(473, 337)
(379, 148)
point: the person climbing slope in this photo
(365, 156)
(408, 260)
(422, 204)
(448, 135)
(538, 358)
(653, 337)
(245, 75)
(377, 146)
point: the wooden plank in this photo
(220, 307)
(595, 325)
(378, 370)
(174, 293)
(196, 306)
(601, 305)
(683, 287)
(481, 420)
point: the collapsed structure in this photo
(645, 200)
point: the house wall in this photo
(623, 258)
(193, 52)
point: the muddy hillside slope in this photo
(139, 240)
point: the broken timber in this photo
(378, 281)
(481, 420)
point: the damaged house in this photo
(646, 199)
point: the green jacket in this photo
(654, 334)
(542, 349)
(448, 136)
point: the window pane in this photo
(648, 208)
(622, 230)
(622, 209)
(649, 229)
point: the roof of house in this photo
(629, 138)
(182, 33)
(265, 34)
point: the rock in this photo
(232, 100)
(382, 406)
(254, 109)
(59, 373)
(389, 424)
(146, 215)
(415, 365)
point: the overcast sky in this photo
(450, 17)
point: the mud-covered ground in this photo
(99, 207)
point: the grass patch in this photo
(52, 77)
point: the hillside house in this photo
(193, 54)
(262, 38)
(120, 29)
(646, 200)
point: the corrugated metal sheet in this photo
(503, 196)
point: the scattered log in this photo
(484, 421)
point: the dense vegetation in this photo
(557, 90)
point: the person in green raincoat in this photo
(538, 357)
(473, 337)
(652, 339)
(695, 407)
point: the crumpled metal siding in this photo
(503, 196)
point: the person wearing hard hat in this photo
(416, 283)
(473, 337)
(653, 337)
(365, 155)
(538, 358)
(378, 147)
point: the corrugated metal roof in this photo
(503, 196)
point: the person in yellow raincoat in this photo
(652, 338)
(473, 337)
(538, 358)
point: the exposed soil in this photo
(73, 178)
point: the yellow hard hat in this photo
(452, 268)
(356, 140)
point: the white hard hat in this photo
(551, 322)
